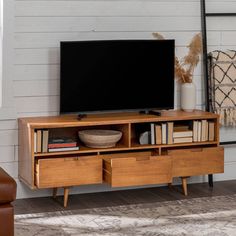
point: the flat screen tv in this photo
(116, 75)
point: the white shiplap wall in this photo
(37, 27)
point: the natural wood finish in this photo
(119, 147)
(184, 185)
(136, 145)
(25, 160)
(54, 193)
(132, 171)
(60, 172)
(126, 164)
(217, 131)
(124, 141)
(114, 118)
(66, 194)
(85, 150)
(138, 155)
(198, 161)
(107, 158)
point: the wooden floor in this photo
(124, 197)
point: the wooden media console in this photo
(129, 163)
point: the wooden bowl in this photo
(99, 138)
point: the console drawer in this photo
(137, 170)
(197, 161)
(61, 172)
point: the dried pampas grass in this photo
(184, 68)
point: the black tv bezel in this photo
(143, 110)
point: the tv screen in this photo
(111, 75)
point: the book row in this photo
(44, 143)
(160, 133)
(170, 133)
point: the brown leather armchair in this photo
(7, 195)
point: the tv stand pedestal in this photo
(151, 112)
(81, 116)
(128, 163)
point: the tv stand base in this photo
(151, 112)
(128, 163)
(81, 116)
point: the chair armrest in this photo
(7, 187)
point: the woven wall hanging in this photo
(222, 85)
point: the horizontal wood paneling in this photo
(16, 152)
(72, 24)
(8, 137)
(225, 23)
(36, 88)
(220, 6)
(36, 72)
(40, 113)
(52, 39)
(229, 172)
(40, 25)
(37, 104)
(7, 113)
(227, 134)
(7, 154)
(8, 125)
(37, 56)
(230, 154)
(228, 37)
(105, 8)
(11, 168)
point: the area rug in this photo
(211, 216)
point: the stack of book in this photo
(170, 132)
(62, 144)
(42, 142)
(182, 134)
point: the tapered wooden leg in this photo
(66, 193)
(54, 192)
(184, 185)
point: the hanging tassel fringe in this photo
(222, 85)
(227, 116)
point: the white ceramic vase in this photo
(188, 96)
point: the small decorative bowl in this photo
(100, 138)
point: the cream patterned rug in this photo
(212, 216)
